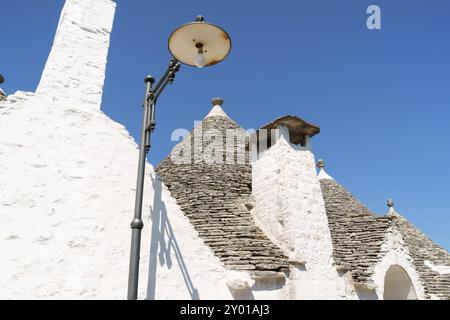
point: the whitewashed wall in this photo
(289, 208)
(75, 70)
(395, 252)
(67, 185)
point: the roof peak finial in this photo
(321, 164)
(322, 173)
(217, 102)
(390, 204)
(217, 110)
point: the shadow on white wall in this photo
(163, 238)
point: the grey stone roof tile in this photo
(211, 196)
(357, 234)
(424, 249)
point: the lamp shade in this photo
(184, 43)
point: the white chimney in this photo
(289, 206)
(75, 70)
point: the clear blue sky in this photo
(380, 97)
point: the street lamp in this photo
(199, 44)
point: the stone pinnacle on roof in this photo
(390, 204)
(217, 110)
(323, 175)
(392, 211)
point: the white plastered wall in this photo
(75, 69)
(395, 252)
(290, 209)
(67, 185)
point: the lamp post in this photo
(198, 44)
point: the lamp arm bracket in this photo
(168, 78)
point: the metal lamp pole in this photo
(198, 44)
(148, 126)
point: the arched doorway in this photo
(398, 285)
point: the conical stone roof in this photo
(428, 257)
(212, 190)
(357, 234)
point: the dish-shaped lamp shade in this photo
(199, 44)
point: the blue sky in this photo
(381, 97)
